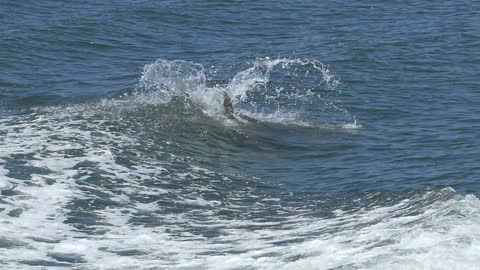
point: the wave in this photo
(93, 195)
(81, 192)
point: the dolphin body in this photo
(230, 112)
(227, 104)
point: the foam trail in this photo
(129, 215)
(380, 238)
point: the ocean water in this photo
(354, 145)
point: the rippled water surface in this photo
(354, 142)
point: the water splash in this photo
(288, 91)
(171, 78)
(300, 92)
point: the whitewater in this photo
(353, 146)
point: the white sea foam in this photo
(4, 184)
(374, 239)
(422, 232)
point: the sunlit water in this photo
(354, 142)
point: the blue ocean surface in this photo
(354, 142)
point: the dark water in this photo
(354, 143)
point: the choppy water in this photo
(355, 144)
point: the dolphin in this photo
(227, 104)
